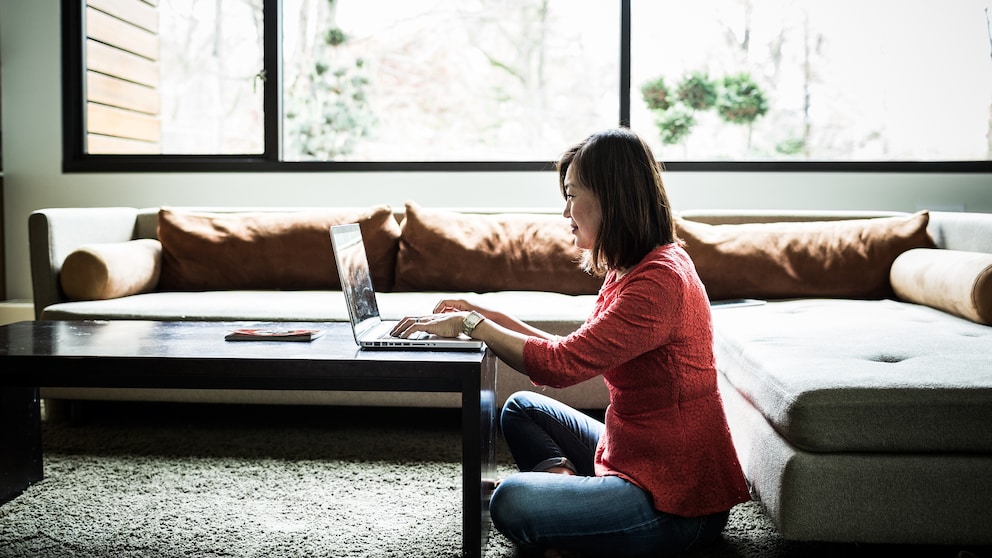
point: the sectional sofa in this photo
(857, 377)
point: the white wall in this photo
(32, 144)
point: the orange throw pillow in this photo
(451, 251)
(955, 281)
(268, 250)
(849, 258)
(111, 270)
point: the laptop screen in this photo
(356, 281)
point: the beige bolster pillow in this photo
(112, 270)
(954, 281)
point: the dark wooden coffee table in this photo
(144, 354)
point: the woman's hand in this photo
(504, 335)
(463, 307)
(458, 305)
(444, 324)
(446, 320)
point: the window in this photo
(175, 78)
(506, 85)
(837, 80)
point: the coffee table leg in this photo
(478, 455)
(20, 438)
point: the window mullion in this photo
(625, 63)
(272, 61)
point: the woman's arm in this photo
(504, 320)
(507, 343)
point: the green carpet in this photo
(160, 480)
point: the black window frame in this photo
(74, 159)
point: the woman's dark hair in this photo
(620, 169)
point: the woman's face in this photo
(582, 209)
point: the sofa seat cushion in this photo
(554, 312)
(861, 375)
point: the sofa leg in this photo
(55, 410)
(65, 411)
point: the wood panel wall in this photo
(122, 77)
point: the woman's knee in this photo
(518, 401)
(515, 406)
(510, 507)
(521, 402)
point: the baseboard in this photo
(16, 310)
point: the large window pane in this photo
(435, 80)
(211, 92)
(176, 79)
(826, 80)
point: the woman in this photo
(661, 474)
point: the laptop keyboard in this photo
(418, 335)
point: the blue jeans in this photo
(585, 514)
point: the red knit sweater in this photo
(651, 337)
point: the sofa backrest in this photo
(146, 220)
(971, 232)
(959, 230)
(950, 230)
(741, 216)
(55, 233)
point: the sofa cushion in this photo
(268, 250)
(553, 312)
(841, 375)
(111, 270)
(448, 251)
(955, 281)
(847, 258)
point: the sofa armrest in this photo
(54, 233)
(968, 231)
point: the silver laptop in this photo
(356, 283)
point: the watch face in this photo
(470, 321)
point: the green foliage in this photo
(740, 100)
(326, 107)
(335, 37)
(697, 91)
(675, 124)
(330, 115)
(657, 95)
(792, 146)
(737, 99)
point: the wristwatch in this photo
(473, 319)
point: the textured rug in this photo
(160, 480)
